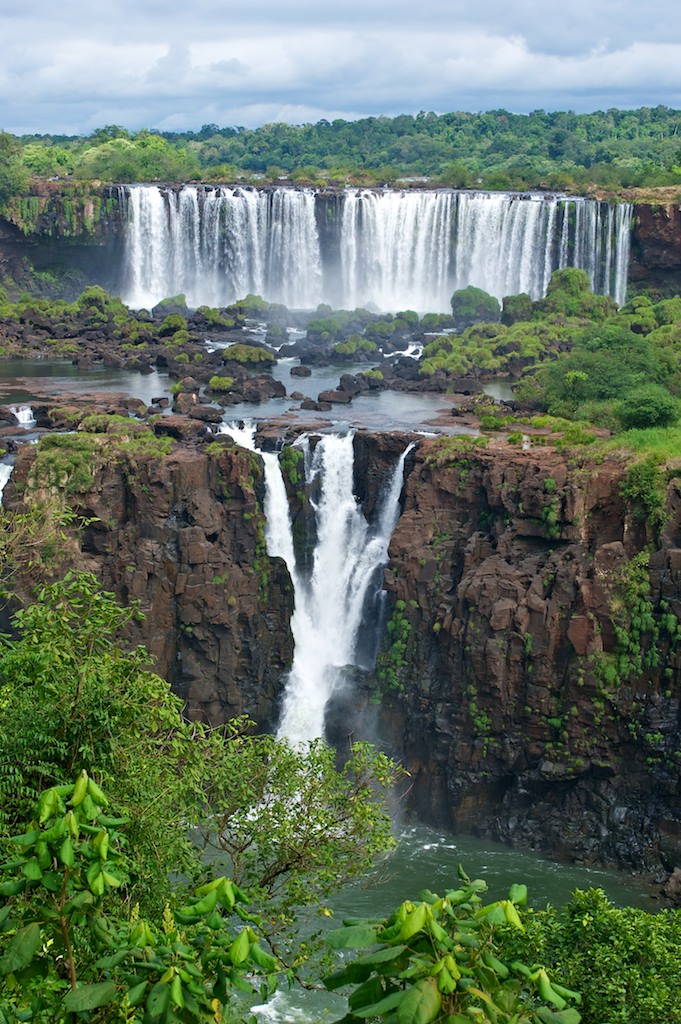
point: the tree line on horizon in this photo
(609, 150)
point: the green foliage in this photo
(568, 294)
(649, 406)
(147, 157)
(172, 323)
(13, 177)
(645, 635)
(608, 362)
(392, 667)
(248, 355)
(217, 383)
(316, 827)
(66, 463)
(355, 343)
(644, 491)
(516, 308)
(290, 460)
(623, 960)
(439, 962)
(559, 150)
(72, 695)
(71, 944)
(472, 305)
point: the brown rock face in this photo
(511, 570)
(656, 245)
(184, 536)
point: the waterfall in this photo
(337, 597)
(331, 603)
(396, 249)
(215, 245)
(23, 415)
(5, 474)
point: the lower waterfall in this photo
(338, 596)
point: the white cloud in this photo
(153, 64)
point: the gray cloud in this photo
(156, 64)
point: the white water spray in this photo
(397, 249)
(24, 415)
(5, 473)
(332, 600)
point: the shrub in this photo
(471, 305)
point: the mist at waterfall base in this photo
(390, 249)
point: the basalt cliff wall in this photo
(530, 673)
(531, 670)
(184, 536)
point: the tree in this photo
(73, 696)
(13, 176)
(72, 947)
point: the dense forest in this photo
(609, 150)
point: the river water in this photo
(428, 859)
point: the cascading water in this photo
(24, 415)
(333, 599)
(5, 474)
(332, 602)
(395, 249)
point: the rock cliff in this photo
(530, 673)
(656, 246)
(184, 536)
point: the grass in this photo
(662, 441)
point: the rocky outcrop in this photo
(183, 535)
(531, 674)
(656, 246)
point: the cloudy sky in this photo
(74, 66)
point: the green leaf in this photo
(22, 949)
(390, 1002)
(414, 922)
(158, 999)
(353, 937)
(353, 974)
(89, 997)
(421, 1003)
(66, 852)
(238, 951)
(262, 958)
(32, 870)
(136, 994)
(518, 894)
(569, 1016)
(12, 888)
(370, 992)
(382, 956)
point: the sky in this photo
(71, 67)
